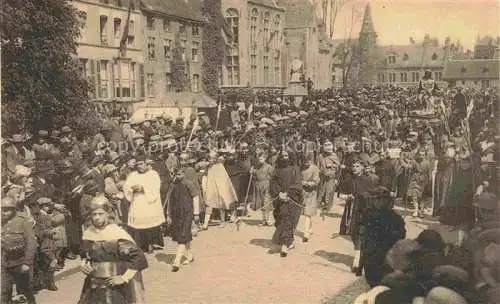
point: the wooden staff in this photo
(246, 195)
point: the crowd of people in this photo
(112, 198)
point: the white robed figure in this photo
(218, 190)
(142, 189)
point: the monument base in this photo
(297, 91)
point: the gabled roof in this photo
(298, 13)
(472, 69)
(185, 9)
(268, 3)
(414, 55)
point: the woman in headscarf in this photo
(110, 259)
(286, 189)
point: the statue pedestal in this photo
(296, 89)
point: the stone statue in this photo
(296, 71)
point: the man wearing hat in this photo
(13, 155)
(18, 252)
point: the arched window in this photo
(434, 56)
(232, 60)
(276, 32)
(232, 19)
(405, 57)
(267, 16)
(254, 17)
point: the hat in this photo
(380, 191)
(55, 134)
(17, 138)
(155, 138)
(44, 200)
(43, 133)
(66, 166)
(399, 256)
(262, 126)
(201, 113)
(66, 129)
(430, 240)
(443, 295)
(201, 165)
(450, 276)
(169, 136)
(22, 171)
(8, 202)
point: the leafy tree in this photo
(42, 86)
(178, 66)
(214, 46)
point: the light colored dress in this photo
(146, 210)
(218, 189)
(262, 195)
(310, 182)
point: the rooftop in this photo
(472, 69)
(298, 13)
(185, 9)
(414, 55)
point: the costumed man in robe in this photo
(145, 216)
(185, 195)
(328, 165)
(419, 179)
(286, 188)
(190, 177)
(359, 187)
(310, 182)
(218, 190)
(427, 87)
(111, 260)
(262, 173)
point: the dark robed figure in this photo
(286, 189)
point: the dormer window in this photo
(434, 56)
(405, 57)
(392, 59)
(463, 70)
(486, 69)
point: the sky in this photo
(397, 20)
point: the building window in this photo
(463, 70)
(151, 48)
(82, 16)
(141, 79)
(379, 77)
(232, 20)
(392, 77)
(276, 33)
(266, 31)
(195, 31)
(103, 29)
(150, 23)
(166, 25)
(434, 56)
(404, 77)
(194, 52)
(253, 27)
(392, 59)
(485, 83)
(167, 48)
(277, 61)
(486, 69)
(132, 79)
(266, 70)
(405, 57)
(150, 85)
(117, 25)
(122, 78)
(131, 28)
(233, 70)
(183, 49)
(102, 79)
(182, 29)
(383, 77)
(168, 83)
(196, 83)
(253, 69)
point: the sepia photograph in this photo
(250, 151)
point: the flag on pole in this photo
(219, 110)
(123, 41)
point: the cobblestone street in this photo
(234, 266)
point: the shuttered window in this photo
(141, 79)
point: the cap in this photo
(43, 133)
(66, 129)
(8, 202)
(17, 138)
(44, 200)
(98, 202)
(155, 138)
